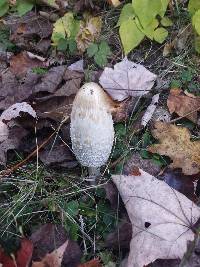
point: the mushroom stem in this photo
(94, 172)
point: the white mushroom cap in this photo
(92, 131)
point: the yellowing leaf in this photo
(193, 6)
(175, 143)
(130, 35)
(146, 10)
(65, 27)
(160, 35)
(196, 21)
(88, 33)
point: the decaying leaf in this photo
(127, 79)
(175, 143)
(14, 111)
(183, 105)
(28, 28)
(150, 110)
(92, 263)
(185, 184)
(65, 27)
(54, 258)
(161, 218)
(23, 62)
(21, 258)
(88, 33)
(48, 239)
(3, 131)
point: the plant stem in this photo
(94, 172)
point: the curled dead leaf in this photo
(183, 105)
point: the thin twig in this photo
(185, 115)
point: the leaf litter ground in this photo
(35, 194)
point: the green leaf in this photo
(166, 22)
(72, 45)
(193, 6)
(160, 35)
(196, 21)
(92, 50)
(126, 14)
(62, 44)
(149, 30)
(100, 59)
(4, 7)
(164, 4)
(146, 10)
(130, 35)
(23, 6)
(72, 208)
(104, 48)
(65, 27)
(197, 43)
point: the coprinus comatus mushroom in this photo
(92, 131)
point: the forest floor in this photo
(45, 198)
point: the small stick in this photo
(189, 113)
(21, 163)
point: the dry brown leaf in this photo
(175, 143)
(161, 218)
(183, 105)
(52, 244)
(89, 32)
(22, 62)
(54, 258)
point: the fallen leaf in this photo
(13, 141)
(183, 105)
(21, 258)
(58, 155)
(3, 131)
(50, 237)
(82, 5)
(89, 32)
(22, 62)
(53, 259)
(121, 236)
(127, 79)
(28, 28)
(65, 27)
(92, 263)
(150, 110)
(185, 184)
(175, 143)
(15, 110)
(77, 66)
(161, 218)
(136, 161)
